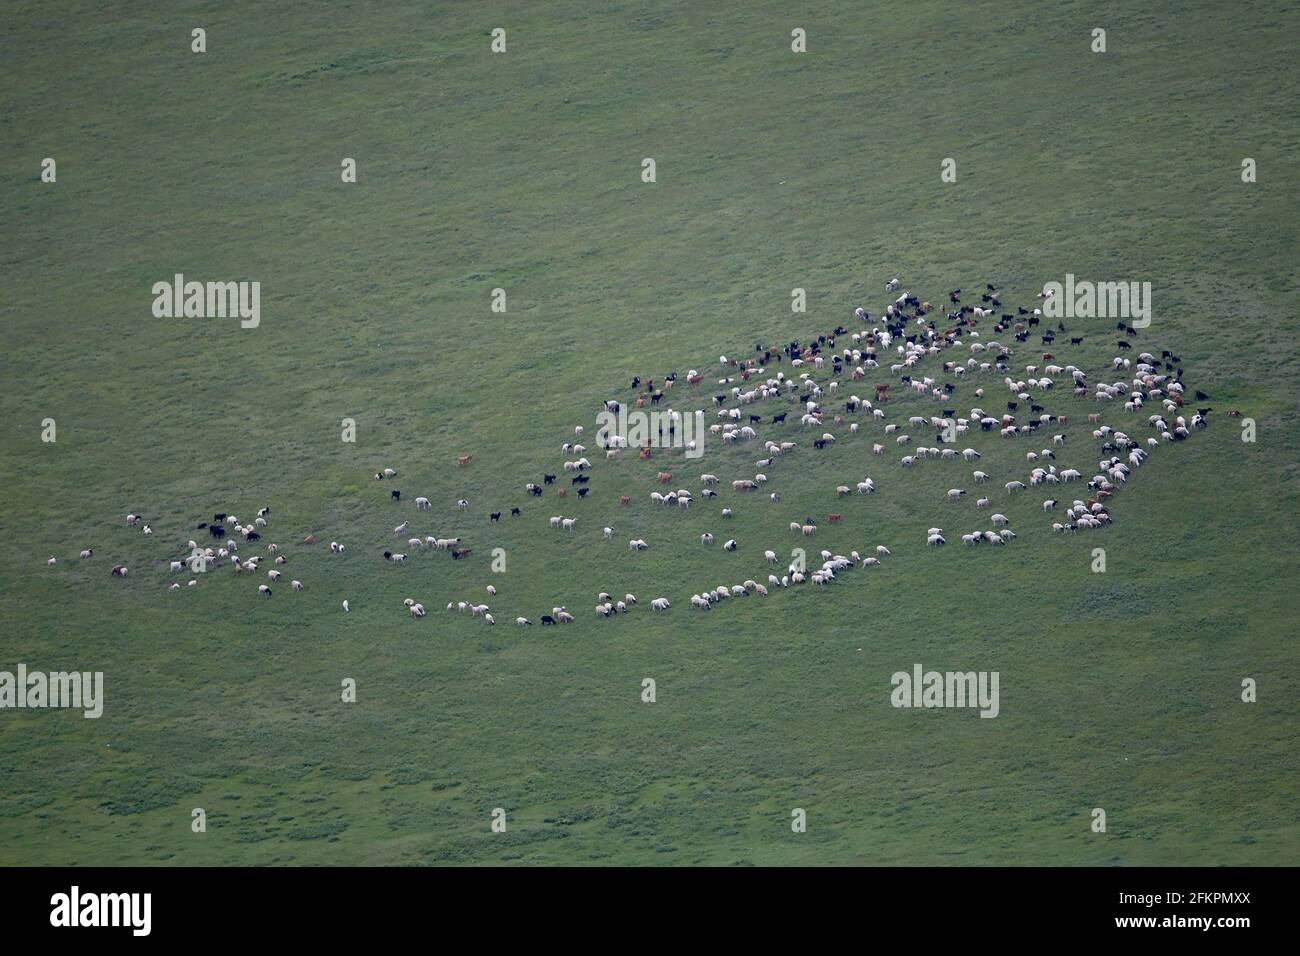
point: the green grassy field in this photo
(521, 170)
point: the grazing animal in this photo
(463, 460)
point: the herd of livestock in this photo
(935, 355)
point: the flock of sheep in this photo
(928, 352)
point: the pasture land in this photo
(522, 171)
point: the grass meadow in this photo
(522, 171)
